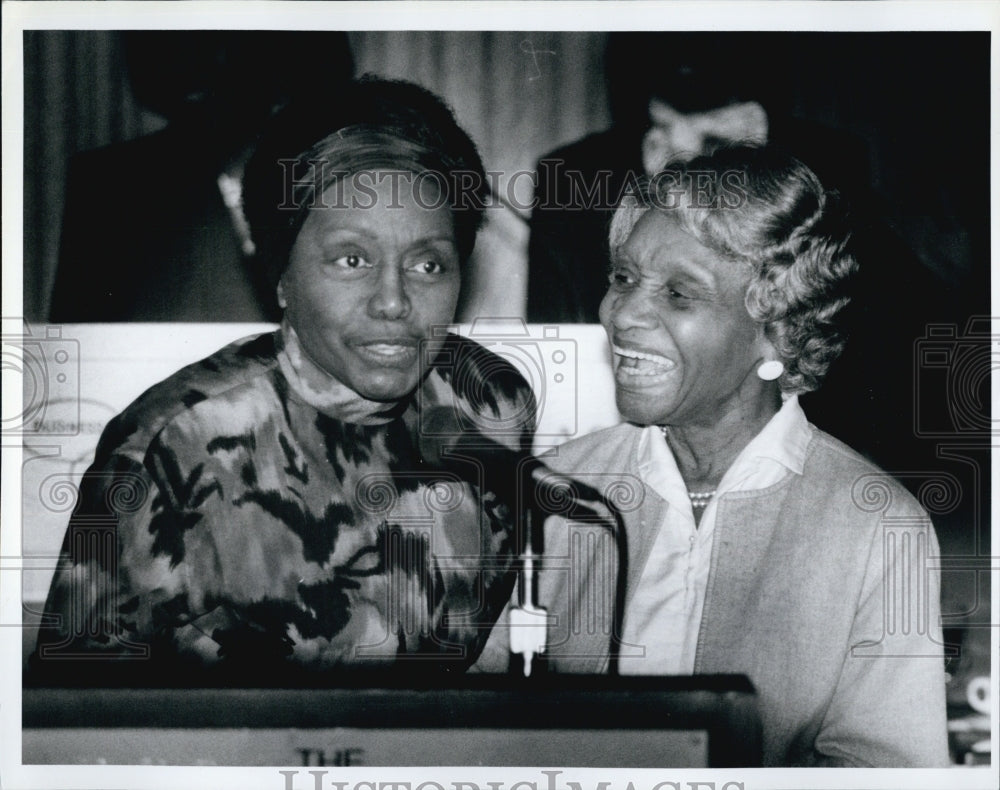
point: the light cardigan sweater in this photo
(665, 611)
(823, 589)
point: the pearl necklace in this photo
(701, 498)
(698, 498)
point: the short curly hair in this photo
(763, 207)
(363, 125)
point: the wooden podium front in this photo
(579, 721)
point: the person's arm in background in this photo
(551, 288)
(568, 245)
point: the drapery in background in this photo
(518, 94)
(76, 97)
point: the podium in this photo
(578, 721)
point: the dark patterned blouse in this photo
(250, 512)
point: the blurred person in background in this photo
(680, 95)
(672, 96)
(152, 229)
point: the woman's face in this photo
(368, 278)
(685, 350)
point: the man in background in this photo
(672, 96)
(152, 229)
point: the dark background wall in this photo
(919, 102)
(517, 93)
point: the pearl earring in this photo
(770, 370)
(281, 297)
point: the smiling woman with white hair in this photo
(757, 544)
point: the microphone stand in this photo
(529, 621)
(468, 451)
(621, 588)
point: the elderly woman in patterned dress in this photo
(268, 505)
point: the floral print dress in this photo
(251, 513)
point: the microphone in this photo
(526, 485)
(517, 477)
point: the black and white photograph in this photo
(498, 395)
